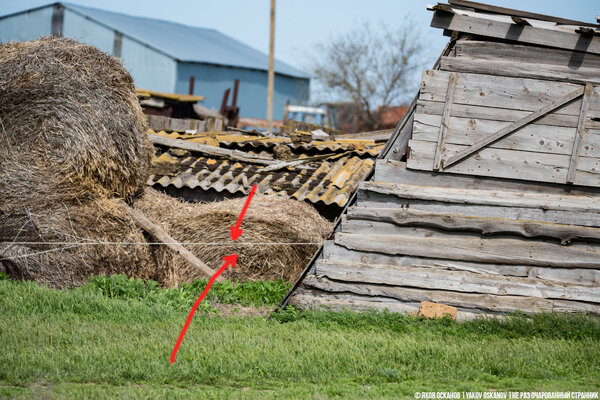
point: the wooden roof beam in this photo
(507, 31)
(518, 13)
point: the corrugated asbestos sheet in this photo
(331, 180)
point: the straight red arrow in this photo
(235, 230)
(229, 260)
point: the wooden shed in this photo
(486, 197)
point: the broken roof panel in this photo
(330, 181)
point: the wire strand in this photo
(38, 253)
(161, 243)
(69, 245)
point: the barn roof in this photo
(185, 43)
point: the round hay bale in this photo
(63, 246)
(268, 221)
(72, 140)
(70, 125)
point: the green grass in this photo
(113, 338)
(246, 293)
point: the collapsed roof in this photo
(323, 173)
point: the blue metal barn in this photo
(164, 56)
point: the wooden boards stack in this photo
(496, 208)
(484, 246)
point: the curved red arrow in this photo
(229, 260)
(235, 230)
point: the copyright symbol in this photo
(417, 395)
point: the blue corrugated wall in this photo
(212, 80)
(156, 71)
(149, 68)
(27, 26)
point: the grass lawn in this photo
(113, 338)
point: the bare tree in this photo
(371, 68)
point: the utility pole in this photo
(271, 81)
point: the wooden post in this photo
(164, 237)
(585, 104)
(286, 113)
(191, 89)
(271, 81)
(439, 150)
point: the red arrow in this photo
(229, 260)
(235, 230)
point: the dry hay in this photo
(73, 143)
(63, 246)
(269, 219)
(72, 136)
(74, 251)
(70, 125)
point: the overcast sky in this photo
(302, 23)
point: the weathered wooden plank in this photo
(521, 70)
(396, 146)
(456, 281)
(544, 201)
(501, 163)
(443, 126)
(373, 199)
(585, 104)
(162, 123)
(382, 135)
(489, 302)
(336, 253)
(500, 114)
(506, 31)
(488, 250)
(460, 155)
(502, 51)
(483, 225)
(502, 92)
(519, 13)
(317, 299)
(578, 276)
(313, 299)
(399, 145)
(212, 150)
(532, 138)
(365, 227)
(391, 171)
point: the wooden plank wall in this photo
(484, 104)
(513, 226)
(498, 84)
(481, 245)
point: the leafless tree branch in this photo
(372, 68)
